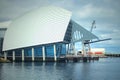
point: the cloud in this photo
(111, 27)
(68, 5)
(106, 30)
(94, 11)
(14, 8)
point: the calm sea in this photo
(104, 69)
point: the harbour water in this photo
(104, 69)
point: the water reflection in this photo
(1, 65)
(102, 70)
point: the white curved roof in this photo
(40, 26)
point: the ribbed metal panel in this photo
(40, 26)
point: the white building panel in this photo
(40, 26)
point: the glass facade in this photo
(68, 34)
(49, 51)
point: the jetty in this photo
(112, 55)
(80, 58)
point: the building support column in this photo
(22, 54)
(43, 52)
(33, 54)
(13, 55)
(5, 55)
(55, 58)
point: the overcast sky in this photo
(106, 13)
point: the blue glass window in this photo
(9, 53)
(60, 49)
(28, 51)
(63, 49)
(37, 51)
(18, 52)
(49, 51)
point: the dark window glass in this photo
(28, 51)
(37, 51)
(60, 49)
(68, 33)
(9, 53)
(18, 52)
